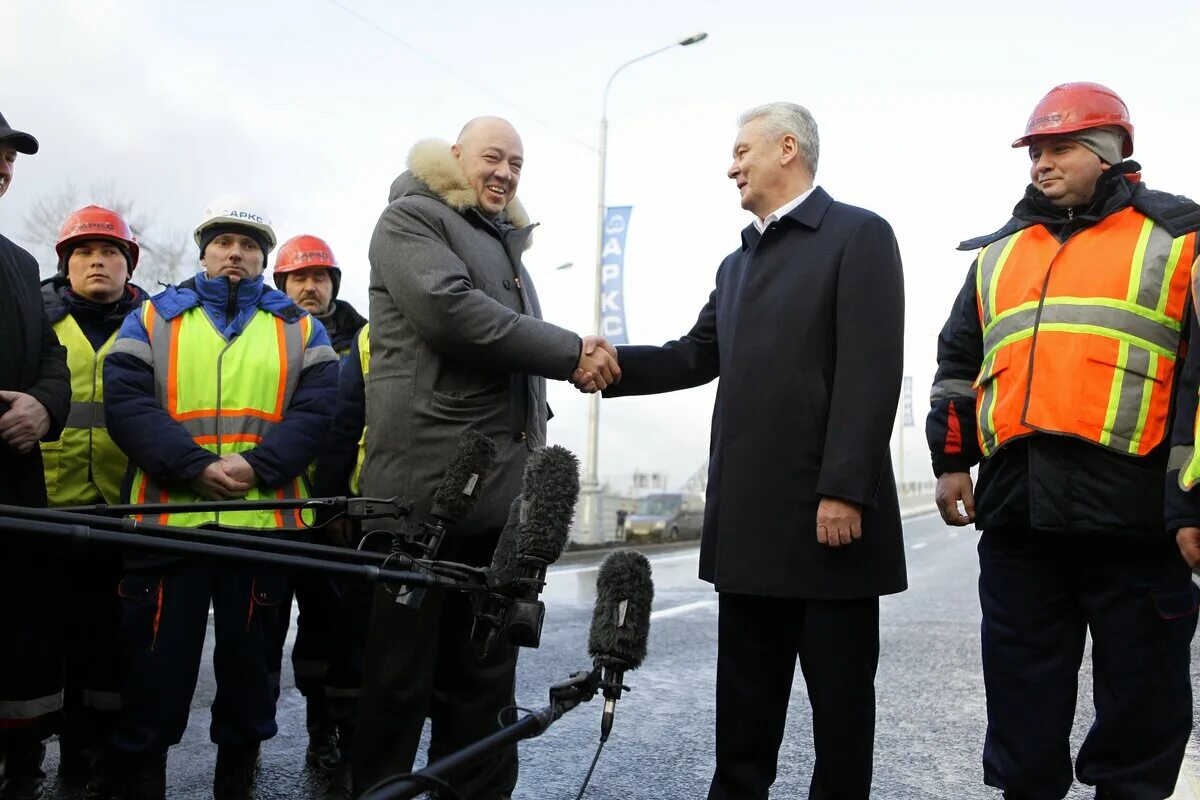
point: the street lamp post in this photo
(591, 484)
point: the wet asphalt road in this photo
(930, 721)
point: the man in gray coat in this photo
(457, 344)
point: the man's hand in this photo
(216, 484)
(598, 368)
(25, 422)
(839, 522)
(239, 469)
(1188, 540)
(951, 488)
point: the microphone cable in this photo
(587, 778)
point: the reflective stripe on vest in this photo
(228, 395)
(1080, 338)
(83, 466)
(1184, 458)
(364, 361)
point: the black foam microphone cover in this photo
(549, 492)
(462, 482)
(621, 617)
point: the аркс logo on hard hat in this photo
(1048, 121)
(235, 214)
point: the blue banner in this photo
(612, 275)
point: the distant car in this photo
(666, 517)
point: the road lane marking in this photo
(675, 611)
(653, 561)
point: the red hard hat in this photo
(1074, 107)
(94, 222)
(302, 252)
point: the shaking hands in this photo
(598, 368)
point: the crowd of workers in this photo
(1064, 372)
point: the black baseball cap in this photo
(23, 142)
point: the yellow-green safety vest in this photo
(364, 360)
(83, 466)
(228, 395)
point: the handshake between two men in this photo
(598, 367)
(838, 523)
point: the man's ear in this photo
(456, 150)
(788, 149)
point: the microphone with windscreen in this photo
(539, 524)
(461, 485)
(620, 625)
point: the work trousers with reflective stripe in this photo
(1041, 592)
(94, 653)
(164, 622)
(31, 649)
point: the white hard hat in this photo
(232, 209)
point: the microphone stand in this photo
(82, 529)
(579, 688)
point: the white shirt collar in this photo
(782, 211)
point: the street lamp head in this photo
(693, 39)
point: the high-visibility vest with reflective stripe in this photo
(83, 466)
(1080, 338)
(228, 395)
(364, 361)
(1184, 457)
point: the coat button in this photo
(508, 284)
(520, 437)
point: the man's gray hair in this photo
(780, 119)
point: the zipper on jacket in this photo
(230, 301)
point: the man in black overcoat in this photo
(35, 396)
(802, 527)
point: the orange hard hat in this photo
(94, 222)
(1072, 107)
(305, 252)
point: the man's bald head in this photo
(485, 127)
(491, 154)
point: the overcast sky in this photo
(311, 109)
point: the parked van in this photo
(666, 517)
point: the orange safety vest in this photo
(1080, 338)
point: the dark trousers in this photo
(1040, 593)
(759, 640)
(92, 697)
(314, 595)
(31, 655)
(421, 663)
(164, 621)
(347, 644)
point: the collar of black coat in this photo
(1116, 189)
(59, 300)
(434, 172)
(808, 214)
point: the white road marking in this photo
(653, 561)
(919, 545)
(675, 611)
